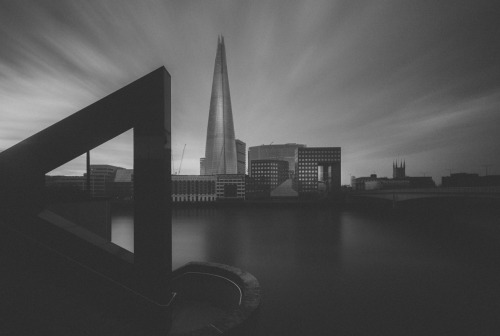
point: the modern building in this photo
(241, 155)
(220, 150)
(193, 188)
(317, 170)
(285, 152)
(267, 175)
(230, 187)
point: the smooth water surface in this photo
(326, 272)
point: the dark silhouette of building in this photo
(398, 170)
(399, 180)
(220, 151)
(317, 170)
(470, 180)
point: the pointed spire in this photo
(220, 151)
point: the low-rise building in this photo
(194, 188)
(230, 187)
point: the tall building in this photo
(317, 169)
(220, 151)
(285, 152)
(241, 155)
(398, 170)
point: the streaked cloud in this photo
(382, 79)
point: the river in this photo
(350, 272)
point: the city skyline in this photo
(389, 80)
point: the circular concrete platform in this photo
(212, 299)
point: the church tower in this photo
(398, 171)
(220, 150)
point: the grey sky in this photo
(414, 80)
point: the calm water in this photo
(326, 272)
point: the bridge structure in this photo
(56, 269)
(396, 196)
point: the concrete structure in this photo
(193, 188)
(220, 151)
(230, 187)
(284, 152)
(143, 276)
(317, 170)
(241, 149)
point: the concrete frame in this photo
(144, 106)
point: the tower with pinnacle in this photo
(398, 170)
(220, 150)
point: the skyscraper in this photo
(241, 156)
(220, 150)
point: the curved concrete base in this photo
(212, 299)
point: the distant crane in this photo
(182, 157)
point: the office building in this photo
(193, 188)
(230, 187)
(285, 152)
(241, 155)
(317, 170)
(220, 151)
(266, 175)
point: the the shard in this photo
(220, 151)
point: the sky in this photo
(417, 81)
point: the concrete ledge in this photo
(233, 296)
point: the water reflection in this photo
(325, 271)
